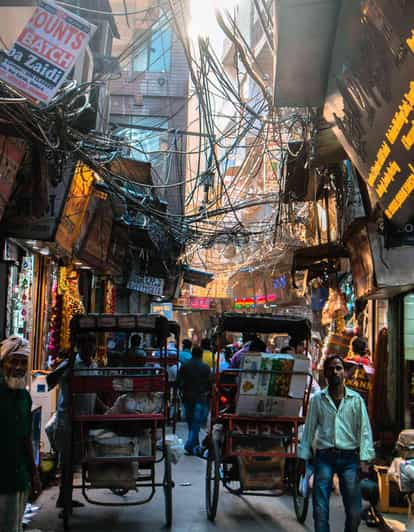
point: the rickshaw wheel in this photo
(300, 502)
(212, 481)
(168, 484)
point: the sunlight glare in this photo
(203, 21)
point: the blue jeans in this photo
(346, 465)
(196, 415)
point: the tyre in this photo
(168, 488)
(119, 491)
(300, 502)
(212, 481)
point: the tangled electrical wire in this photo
(233, 161)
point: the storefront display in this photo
(71, 305)
(20, 298)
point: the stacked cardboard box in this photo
(262, 393)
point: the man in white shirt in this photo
(338, 424)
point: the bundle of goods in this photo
(104, 443)
(138, 403)
(264, 472)
(269, 386)
(337, 344)
(402, 468)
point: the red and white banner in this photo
(45, 51)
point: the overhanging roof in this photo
(305, 34)
(196, 277)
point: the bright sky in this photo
(203, 20)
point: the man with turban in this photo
(18, 471)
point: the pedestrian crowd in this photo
(337, 435)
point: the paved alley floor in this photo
(234, 513)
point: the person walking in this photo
(18, 471)
(184, 355)
(338, 423)
(194, 382)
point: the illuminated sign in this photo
(164, 309)
(249, 302)
(370, 99)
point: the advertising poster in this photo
(45, 51)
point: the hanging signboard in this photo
(164, 309)
(153, 286)
(12, 151)
(45, 51)
(75, 207)
(370, 101)
(22, 218)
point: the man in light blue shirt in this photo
(337, 425)
(184, 355)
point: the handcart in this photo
(119, 451)
(265, 443)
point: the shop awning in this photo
(317, 258)
(136, 171)
(196, 277)
(304, 258)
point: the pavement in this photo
(248, 514)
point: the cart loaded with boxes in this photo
(119, 450)
(256, 414)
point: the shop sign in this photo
(153, 286)
(200, 303)
(45, 51)
(21, 219)
(362, 263)
(396, 236)
(249, 302)
(370, 99)
(358, 378)
(75, 207)
(95, 247)
(12, 151)
(279, 282)
(164, 309)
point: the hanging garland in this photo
(72, 305)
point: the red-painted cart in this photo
(236, 439)
(130, 464)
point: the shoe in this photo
(75, 504)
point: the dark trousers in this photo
(196, 415)
(346, 465)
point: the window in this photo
(144, 144)
(154, 53)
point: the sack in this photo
(405, 443)
(175, 447)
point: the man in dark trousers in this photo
(194, 382)
(338, 424)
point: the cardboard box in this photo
(249, 381)
(286, 407)
(254, 405)
(299, 383)
(280, 383)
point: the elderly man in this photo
(18, 470)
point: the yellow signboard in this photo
(75, 207)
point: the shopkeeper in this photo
(18, 470)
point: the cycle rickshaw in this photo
(119, 450)
(261, 440)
